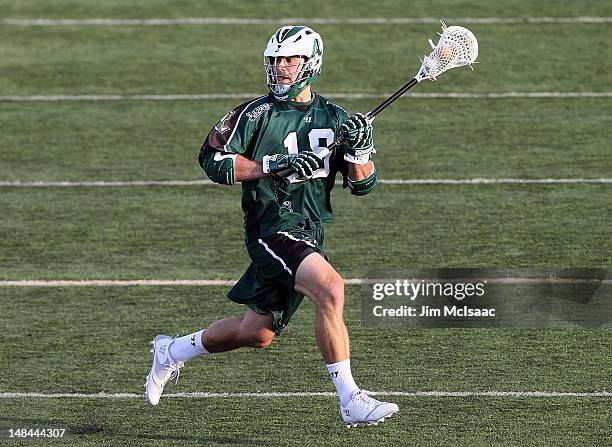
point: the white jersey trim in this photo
(225, 146)
(275, 256)
(293, 238)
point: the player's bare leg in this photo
(252, 330)
(170, 353)
(317, 279)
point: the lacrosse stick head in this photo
(457, 47)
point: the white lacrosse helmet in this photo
(294, 41)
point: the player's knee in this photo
(333, 296)
(261, 341)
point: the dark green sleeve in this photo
(236, 129)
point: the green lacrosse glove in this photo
(358, 143)
(303, 164)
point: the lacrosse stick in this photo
(457, 47)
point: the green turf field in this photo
(91, 340)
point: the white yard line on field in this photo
(117, 282)
(290, 20)
(231, 282)
(204, 182)
(337, 95)
(280, 394)
(103, 183)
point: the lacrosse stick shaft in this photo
(372, 113)
(387, 102)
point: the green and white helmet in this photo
(294, 41)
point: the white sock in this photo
(341, 375)
(187, 347)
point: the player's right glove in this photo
(304, 163)
(358, 143)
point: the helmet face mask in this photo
(287, 42)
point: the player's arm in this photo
(229, 168)
(224, 154)
(358, 172)
(361, 177)
(245, 169)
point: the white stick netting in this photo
(457, 47)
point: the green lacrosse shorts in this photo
(268, 284)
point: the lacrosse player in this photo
(271, 145)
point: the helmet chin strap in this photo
(289, 92)
(281, 89)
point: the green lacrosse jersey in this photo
(266, 126)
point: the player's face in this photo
(287, 67)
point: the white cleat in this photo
(163, 370)
(363, 409)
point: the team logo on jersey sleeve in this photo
(221, 126)
(257, 111)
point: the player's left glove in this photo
(358, 143)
